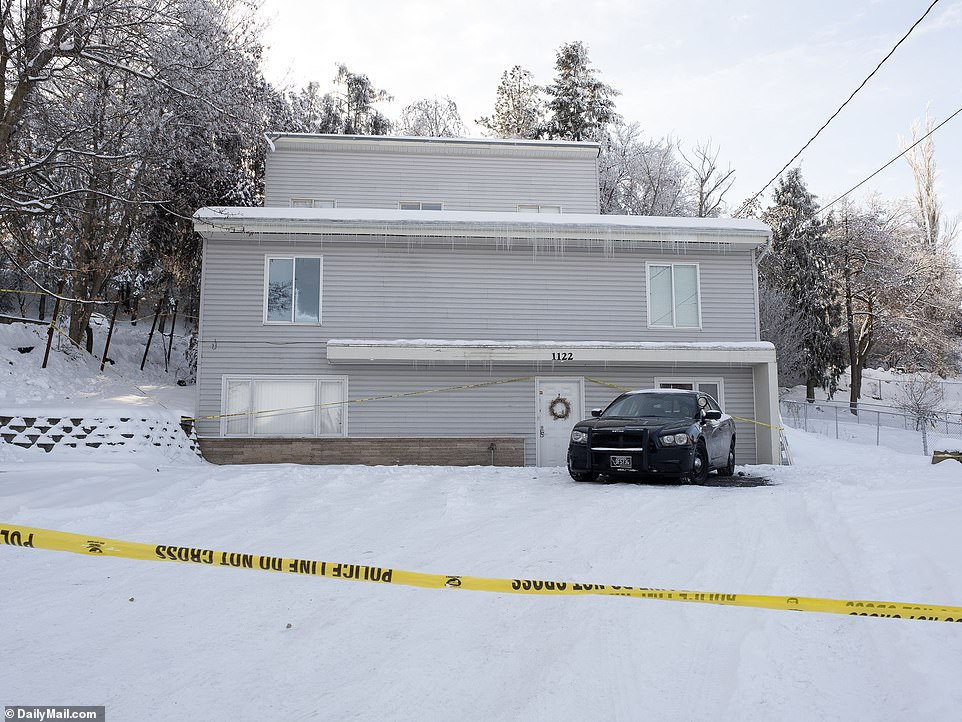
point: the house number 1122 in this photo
(562, 356)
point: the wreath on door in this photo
(560, 408)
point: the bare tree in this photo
(711, 183)
(900, 299)
(922, 397)
(921, 160)
(349, 109)
(643, 178)
(780, 322)
(869, 261)
(432, 118)
(102, 99)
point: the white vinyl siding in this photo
(284, 406)
(292, 289)
(462, 292)
(674, 295)
(464, 176)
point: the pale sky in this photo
(757, 77)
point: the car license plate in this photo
(620, 462)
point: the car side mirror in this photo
(711, 415)
(596, 412)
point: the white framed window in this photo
(284, 406)
(292, 289)
(674, 295)
(420, 206)
(714, 386)
(537, 208)
(312, 203)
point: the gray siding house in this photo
(412, 300)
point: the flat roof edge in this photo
(335, 139)
(385, 221)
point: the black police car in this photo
(667, 433)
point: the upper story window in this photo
(674, 295)
(292, 290)
(420, 206)
(537, 208)
(312, 203)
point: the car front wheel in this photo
(699, 466)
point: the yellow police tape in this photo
(759, 423)
(384, 397)
(33, 538)
(25, 293)
(628, 388)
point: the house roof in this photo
(384, 222)
(347, 350)
(379, 141)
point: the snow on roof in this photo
(638, 345)
(387, 139)
(313, 218)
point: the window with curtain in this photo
(293, 290)
(711, 386)
(673, 295)
(284, 406)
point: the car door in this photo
(716, 438)
(724, 431)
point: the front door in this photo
(560, 406)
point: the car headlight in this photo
(676, 440)
(578, 437)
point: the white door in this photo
(560, 406)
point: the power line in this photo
(907, 149)
(825, 124)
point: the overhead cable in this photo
(747, 203)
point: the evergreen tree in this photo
(580, 106)
(518, 107)
(801, 264)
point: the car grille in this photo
(622, 439)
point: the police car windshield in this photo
(668, 406)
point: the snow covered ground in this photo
(159, 641)
(73, 381)
(882, 389)
(881, 420)
(170, 641)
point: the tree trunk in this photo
(854, 361)
(810, 391)
(80, 323)
(855, 392)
